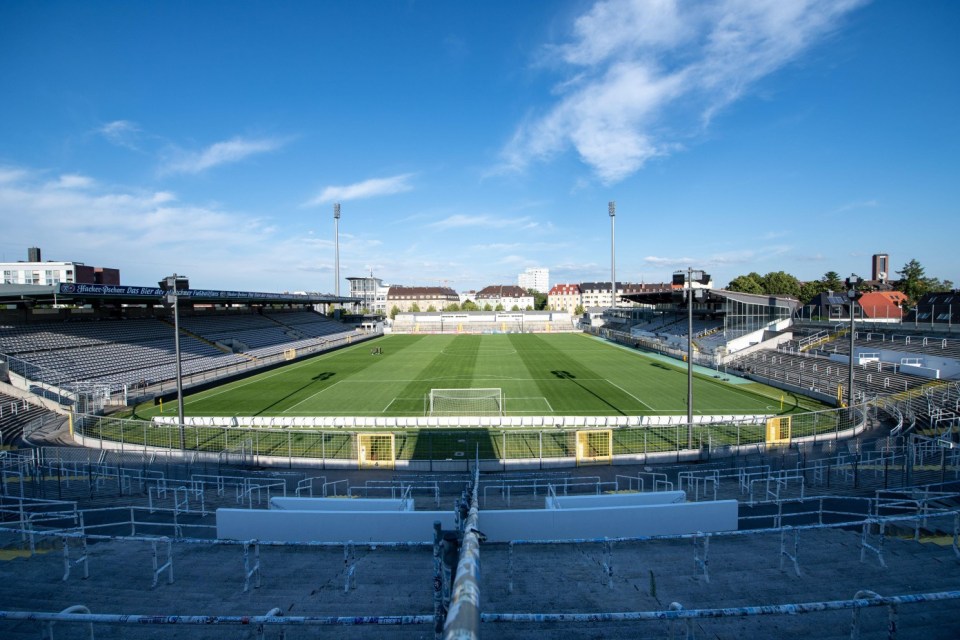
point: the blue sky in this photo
(469, 141)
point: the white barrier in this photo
(498, 525)
(341, 504)
(615, 500)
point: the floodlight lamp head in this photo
(612, 208)
(336, 210)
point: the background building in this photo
(881, 267)
(371, 291)
(564, 297)
(420, 298)
(536, 279)
(35, 271)
(507, 296)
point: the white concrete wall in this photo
(341, 504)
(498, 526)
(330, 526)
(616, 500)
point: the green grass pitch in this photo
(540, 374)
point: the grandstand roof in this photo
(70, 293)
(713, 296)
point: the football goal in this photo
(778, 430)
(465, 402)
(595, 447)
(376, 450)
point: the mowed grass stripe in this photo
(453, 365)
(543, 374)
(575, 388)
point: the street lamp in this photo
(173, 285)
(852, 294)
(612, 210)
(687, 281)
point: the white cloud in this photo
(122, 133)
(747, 256)
(851, 206)
(459, 221)
(12, 174)
(635, 68)
(367, 189)
(229, 151)
(72, 181)
(147, 234)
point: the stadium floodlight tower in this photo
(612, 210)
(173, 285)
(852, 294)
(336, 248)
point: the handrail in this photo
(463, 617)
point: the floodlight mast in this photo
(690, 357)
(336, 245)
(612, 210)
(703, 279)
(169, 284)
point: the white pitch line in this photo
(632, 396)
(310, 397)
(384, 410)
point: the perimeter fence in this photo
(337, 446)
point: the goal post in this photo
(595, 447)
(465, 402)
(376, 450)
(778, 430)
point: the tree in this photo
(487, 307)
(750, 283)
(431, 309)
(469, 305)
(499, 307)
(394, 311)
(832, 281)
(810, 290)
(414, 308)
(780, 283)
(453, 306)
(935, 285)
(912, 282)
(578, 311)
(539, 299)
(515, 308)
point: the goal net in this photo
(778, 430)
(465, 402)
(595, 446)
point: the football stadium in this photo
(213, 459)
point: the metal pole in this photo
(336, 248)
(690, 358)
(852, 293)
(612, 210)
(176, 346)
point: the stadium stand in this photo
(135, 353)
(17, 413)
